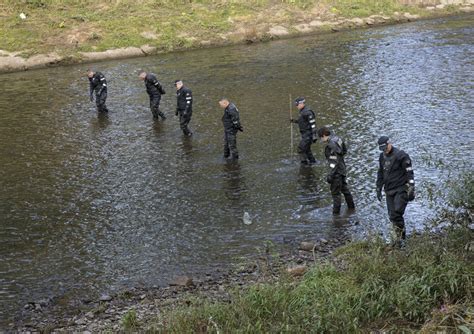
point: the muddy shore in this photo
(108, 311)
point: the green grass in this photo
(55, 25)
(378, 288)
(364, 8)
(129, 320)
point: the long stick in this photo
(291, 131)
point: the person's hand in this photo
(379, 195)
(329, 179)
(292, 120)
(411, 193)
(176, 112)
(240, 128)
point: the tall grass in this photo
(372, 287)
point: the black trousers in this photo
(304, 149)
(155, 106)
(338, 186)
(396, 205)
(100, 101)
(184, 119)
(230, 144)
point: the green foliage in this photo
(129, 320)
(378, 286)
(363, 8)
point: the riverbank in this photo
(126, 309)
(333, 285)
(320, 287)
(45, 33)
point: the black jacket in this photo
(184, 98)
(307, 123)
(231, 119)
(97, 83)
(153, 86)
(334, 152)
(395, 171)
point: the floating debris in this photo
(247, 220)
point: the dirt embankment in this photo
(81, 43)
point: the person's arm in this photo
(91, 88)
(332, 161)
(158, 85)
(189, 100)
(234, 116)
(102, 83)
(312, 123)
(380, 179)
(410, 176)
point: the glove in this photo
(379, 195)
(411, 193)
(293, 120)
(240, 128)
(176, 113)
(92, 97)
(329, 179)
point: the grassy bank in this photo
(71, 26)
(427, 286)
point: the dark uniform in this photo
(185, 108)
(98, 84)
(334, 152)
(307, 125)
(395, 176)
(231, 121)
(154, 90)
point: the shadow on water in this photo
(234, 184)
(103, 121)
(90, 203)
(309, 187)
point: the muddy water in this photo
(91, 204)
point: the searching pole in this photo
(291, 131)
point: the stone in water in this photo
(246, 218)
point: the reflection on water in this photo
(93, 202)
(233, 183)
(102, 122)
(309, 187)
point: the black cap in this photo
(383, 140)
(176, 81)
(299, 100)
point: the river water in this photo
(94, 204)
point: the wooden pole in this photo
(291, 130)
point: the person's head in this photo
(142, 75)
(384, 144)
(178, 84)
(224, 103)
(324, 134)
(300, 102)
(90, 73)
